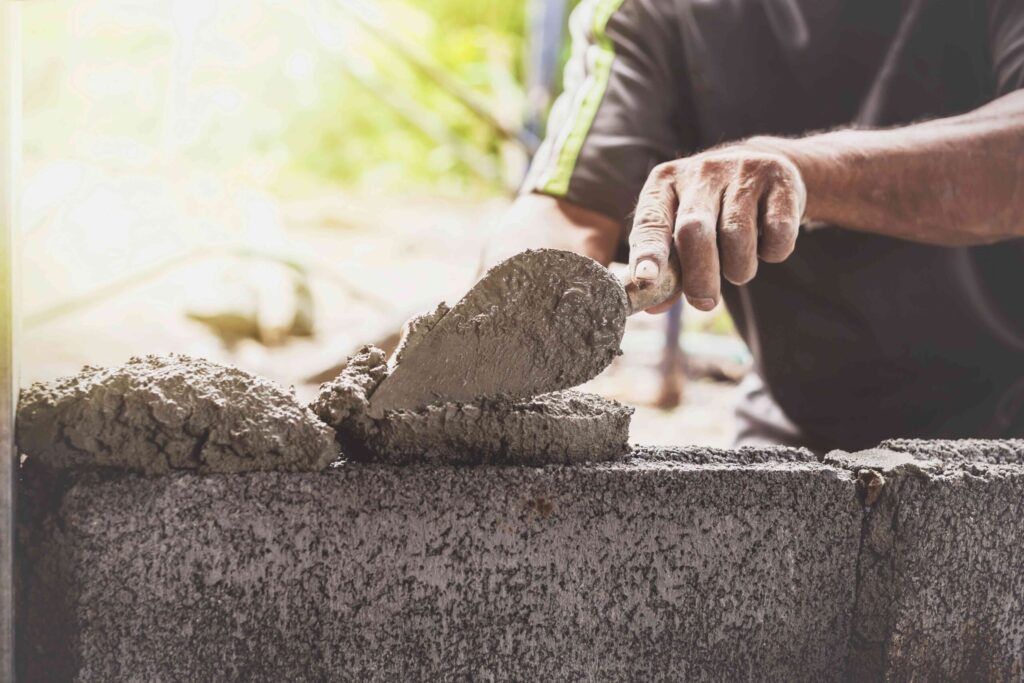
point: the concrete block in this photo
(672, 565)
(941, 570)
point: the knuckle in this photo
(766, 167)
(648, 251)
(786, 174)
(645, 238)
(664, 171)
(647, 242)
(652, 216)
(747, 186)
(750, 166)
(710, 166)
(695, 226)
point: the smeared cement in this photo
(560, 427)
(159, 414)
(541, 321)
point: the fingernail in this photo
(646, 270)
(702, 304)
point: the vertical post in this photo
(545, 28)
(10, 152)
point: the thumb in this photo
(650, 240)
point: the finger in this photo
(780, 222)
(651, 237)
(697, 242)
(737, 232)
(698, 258)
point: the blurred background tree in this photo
(299, 91)
(378, 121)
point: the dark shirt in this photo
(858, 337)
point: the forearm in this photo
(954, 181)
(536, 220)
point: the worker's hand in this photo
(537, 221)
(721, 210)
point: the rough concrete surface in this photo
(561, 427)
(660, 456)
(685, 566)
(541, 321)
(1005, 451)
(941, 568)
(160, 414)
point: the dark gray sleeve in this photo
(1006, 35)
(623, 108)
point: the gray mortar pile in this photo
(560, 427)
(547, 320)
(162, 414)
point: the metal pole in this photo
(546, 26)
(10, 152)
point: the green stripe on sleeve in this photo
(602, 52)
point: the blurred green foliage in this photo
(282, 92)
(351, 135)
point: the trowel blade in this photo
(540, 321)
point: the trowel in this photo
(540, 321)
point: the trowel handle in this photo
(668, 286)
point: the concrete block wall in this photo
(673, 565)
(941, 566)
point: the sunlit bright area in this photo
(274, 184)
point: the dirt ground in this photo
(347, 270)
